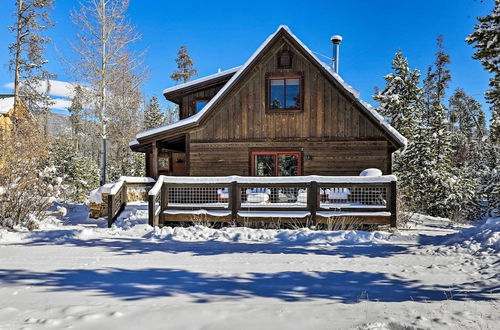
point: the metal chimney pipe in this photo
(336, 40)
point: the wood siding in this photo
(319, 157)
(187, 106)
(327, 112)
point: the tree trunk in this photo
(18, 56)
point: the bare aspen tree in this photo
(101, 45)
(31, 80)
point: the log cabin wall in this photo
(318, 157)
(334, 135)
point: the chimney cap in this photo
(336, 39)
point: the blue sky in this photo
(223, 34)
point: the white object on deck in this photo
(258, 195)
(223, 193)
(339, 193)
(371, 172)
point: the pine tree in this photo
(172, 114)
(76, 112)
(79, 174)
(27, 56)
(400, 101)
(468, 128)
(487, 44)
(153, 116)
(435, 85)
(184, 66)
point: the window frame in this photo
(276, 154)
(199, 101)
(284, 76)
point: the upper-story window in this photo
(200, 104)
(284, 93)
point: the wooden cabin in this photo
(8, 114)
(282, 113)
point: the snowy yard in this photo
(78, 274)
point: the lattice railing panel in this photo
(353, 197)
(273, 197)
(198, 196)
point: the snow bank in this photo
(485, 237)
(282, 236)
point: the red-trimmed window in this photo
(276, 163)
(200, 104)
(285, 93)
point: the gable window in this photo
(285, 59)
(200, 104)
(276, 163)
(285, 93)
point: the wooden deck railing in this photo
(233, 198)
(117, 198)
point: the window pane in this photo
(293, 93)
(264, 165)
(288, 165)
(277, 91)
(200, 105)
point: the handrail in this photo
(117, 199)
(370, 195)
(280, 179)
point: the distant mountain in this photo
(58, 124)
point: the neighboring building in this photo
(7, 112)
(283, 112)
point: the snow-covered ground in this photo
(75, 273)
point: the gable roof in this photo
(6, 103)
(213, 78)
(393, 134)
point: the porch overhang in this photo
(173, 143)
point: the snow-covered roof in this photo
(201, 80)
(195, 119)
(6, 104)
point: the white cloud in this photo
(60, 104)
(57, 88)
(61, 92)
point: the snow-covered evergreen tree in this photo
(435, 85)
(468, 128)
(486, 41)
(79, 174)
(429, 181)
(185, 65)
(153, 116)
(401, 99)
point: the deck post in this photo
(234, 201)
(154, 161)
(312, 201)
(163, 201)
(151, 209)
(393, 204)
(110, 210)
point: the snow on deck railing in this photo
(137, 179)
(156, 188)
(282, 179)
(129, 179)
(117, 186)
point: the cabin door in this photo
(179, 164)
